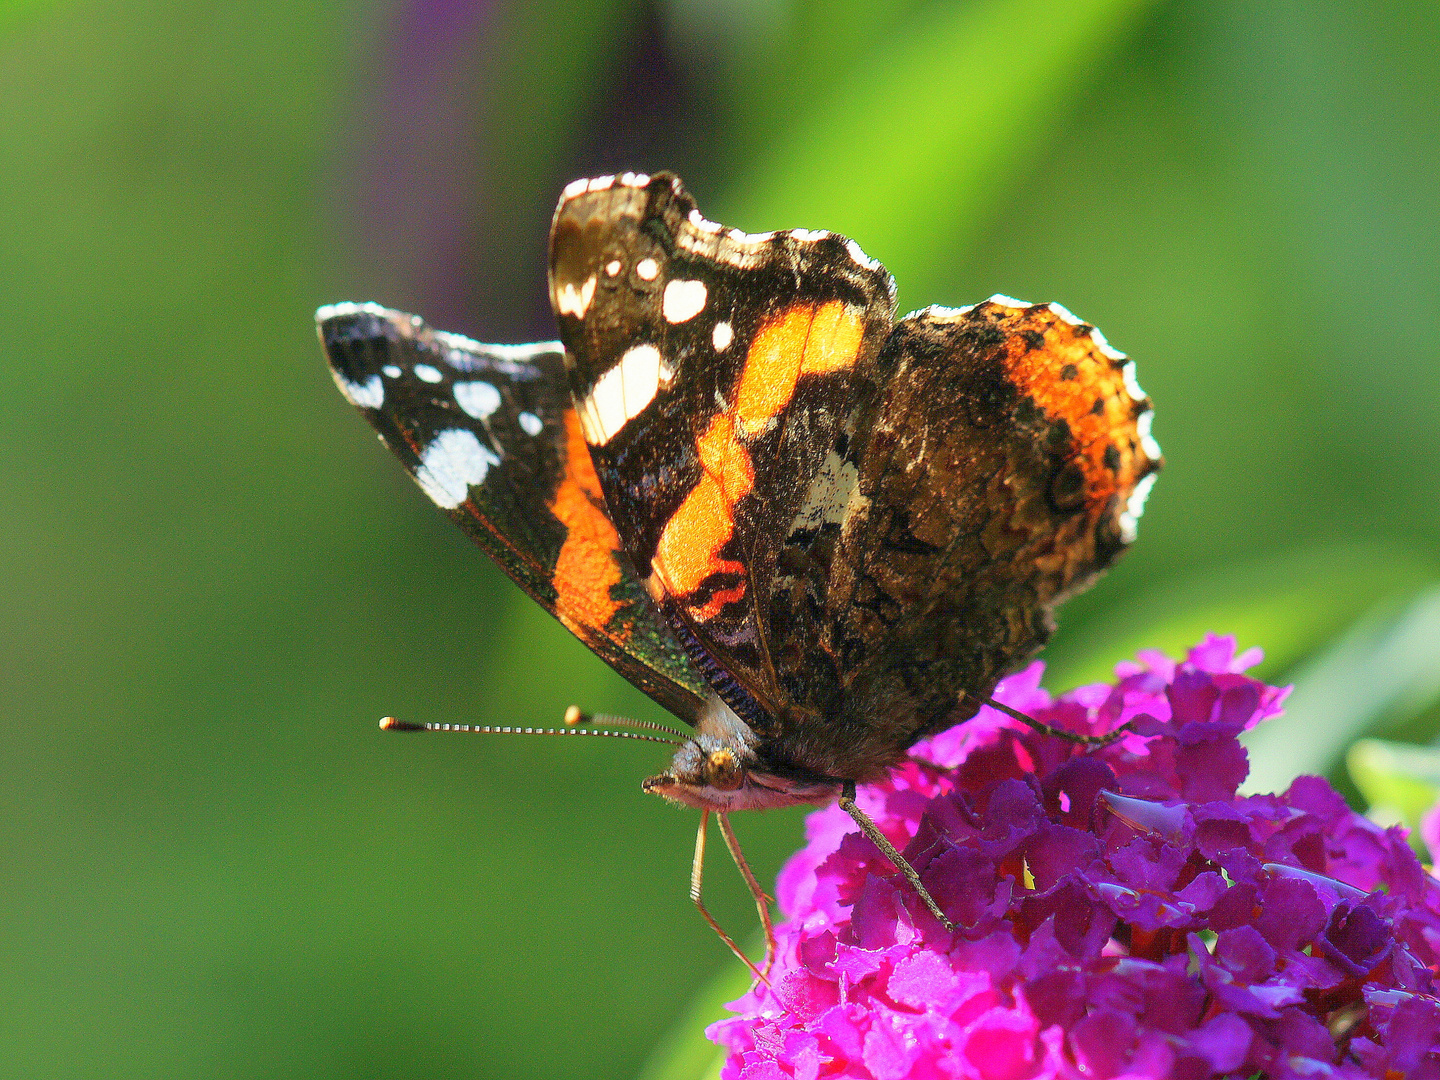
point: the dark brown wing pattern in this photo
(490, 434)
(713, 371)
(1001, 466)
(854, 525)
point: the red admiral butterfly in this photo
(814, 533)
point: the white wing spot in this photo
(1106, 349)
(426, 373)
(722, 336)
(622, 393)
(530, 423)
(860, 257)
(703, 224)
(647, 269)
(1134, 508)
(391, 371)
(833, 496)
(367, 395)
(683, 300)
(479, 399)
(467, 354)
(1008, 301)
(612, 267)
(1147, 441)
(454, 462)
(1064, 314)
(1133, 387)
(939, 311)
(572, 301)
(327, 312)
(808, 236)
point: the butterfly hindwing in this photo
(713, 373)
(490, 434)
(1000, 466)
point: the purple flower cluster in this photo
(1120, 912)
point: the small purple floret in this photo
(1120, 912)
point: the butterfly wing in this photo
(713, 374)
(859, 522)
(491, 436)
(1001, 466)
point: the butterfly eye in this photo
(723, 771)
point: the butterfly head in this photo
(718, 768)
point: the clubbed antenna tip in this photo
(671, 737)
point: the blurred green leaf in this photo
(684, 1053)
(12, 11)
(937, 120)
(1385, 668)
(1290, 605)
(1400, 781)
(529, 118)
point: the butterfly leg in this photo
(869, 828)
(697, 869)
(762, 902)
(1047, 729)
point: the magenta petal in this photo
(1413, 1033)
(801, 1051)
(1356, 938)
(1224, 1041)
(1300, 1033)
(926, 981)
(888, 1052)
(996, 954)
(1245, 954)
(1056, 851)
(763, 1070)
(1192, 696)
(1204, 892)
(1165, 821)
(1430, 831)
(1103, 1041)
(1291, 912)
(1212, 769)
(1000, 1045)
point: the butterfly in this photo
(811, 531)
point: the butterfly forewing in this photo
(714, 373)
(490, 434)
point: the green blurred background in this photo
(215, 580)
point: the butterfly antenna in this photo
(1048, 729)
(574, 716)
(389, 723)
